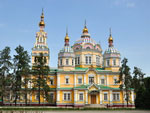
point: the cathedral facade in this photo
(85, 75)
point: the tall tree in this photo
(40, 72)
(21, 72)
(5, 67)
(138, 79)
(125, 79)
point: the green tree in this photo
(5, 67)
(125, 79)
(40, 72)
(21, 72)
(138, 78)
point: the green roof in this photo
(99, 86)
(84, 69)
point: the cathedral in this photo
(85, 75)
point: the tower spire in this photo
(42, 23)
(66, 38)
(85, 30)
(110, 39)
(110, 31)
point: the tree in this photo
(40, 72)
(125, 79)
(5, 67)
(21, 71)
(137, 79)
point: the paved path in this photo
(86, 111)
(101, 111)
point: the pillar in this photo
(75, 80)
(132, 96)
(101, 97)
(75, 97)
(84, 78)
(110, 95)
(86, 97)
(58, 96)
(58, 81)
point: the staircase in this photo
(96, 106)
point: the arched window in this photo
(88, 48)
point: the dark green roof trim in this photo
(69, 88)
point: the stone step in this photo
(96, 106)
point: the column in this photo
(132, 96)
(110, 99)
(75, 80)
(58, 96)
(98, 82)
(107, 77)
(84, 78)
(75, 97)
(58, 81)
(101, 97)
(86, 97)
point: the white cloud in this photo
(130, 4)
(125, 3)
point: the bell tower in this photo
(40, 45)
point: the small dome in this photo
(85, 30)
(66, 37)
(42, 23)
(111, 50)
(110, 39)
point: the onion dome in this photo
(85, 30)
(42, 23)
(111, 49)
(66, 38)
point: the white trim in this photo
(84, 78)
(107, 96)
(79, 96)
(67, 92)
(58, 96)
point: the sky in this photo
(128, 19)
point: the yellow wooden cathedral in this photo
(85, 75)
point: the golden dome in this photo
(110, 39)
(42, 23)
(66, 37)
(85, 30)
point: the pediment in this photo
(93, 87)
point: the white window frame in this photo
(102, 77)
(116, 96)
(115, 79)
(88, 59)
(77, 60)
(97, 60)
(79, 96)
(105, 93)
(67, 77)
(61, 61)
(53, 96)
(67, 93)
(51, 78)
(107, 62)
(114, 62)
(81, 80)
(67, 61)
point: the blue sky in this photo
(129, 20)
